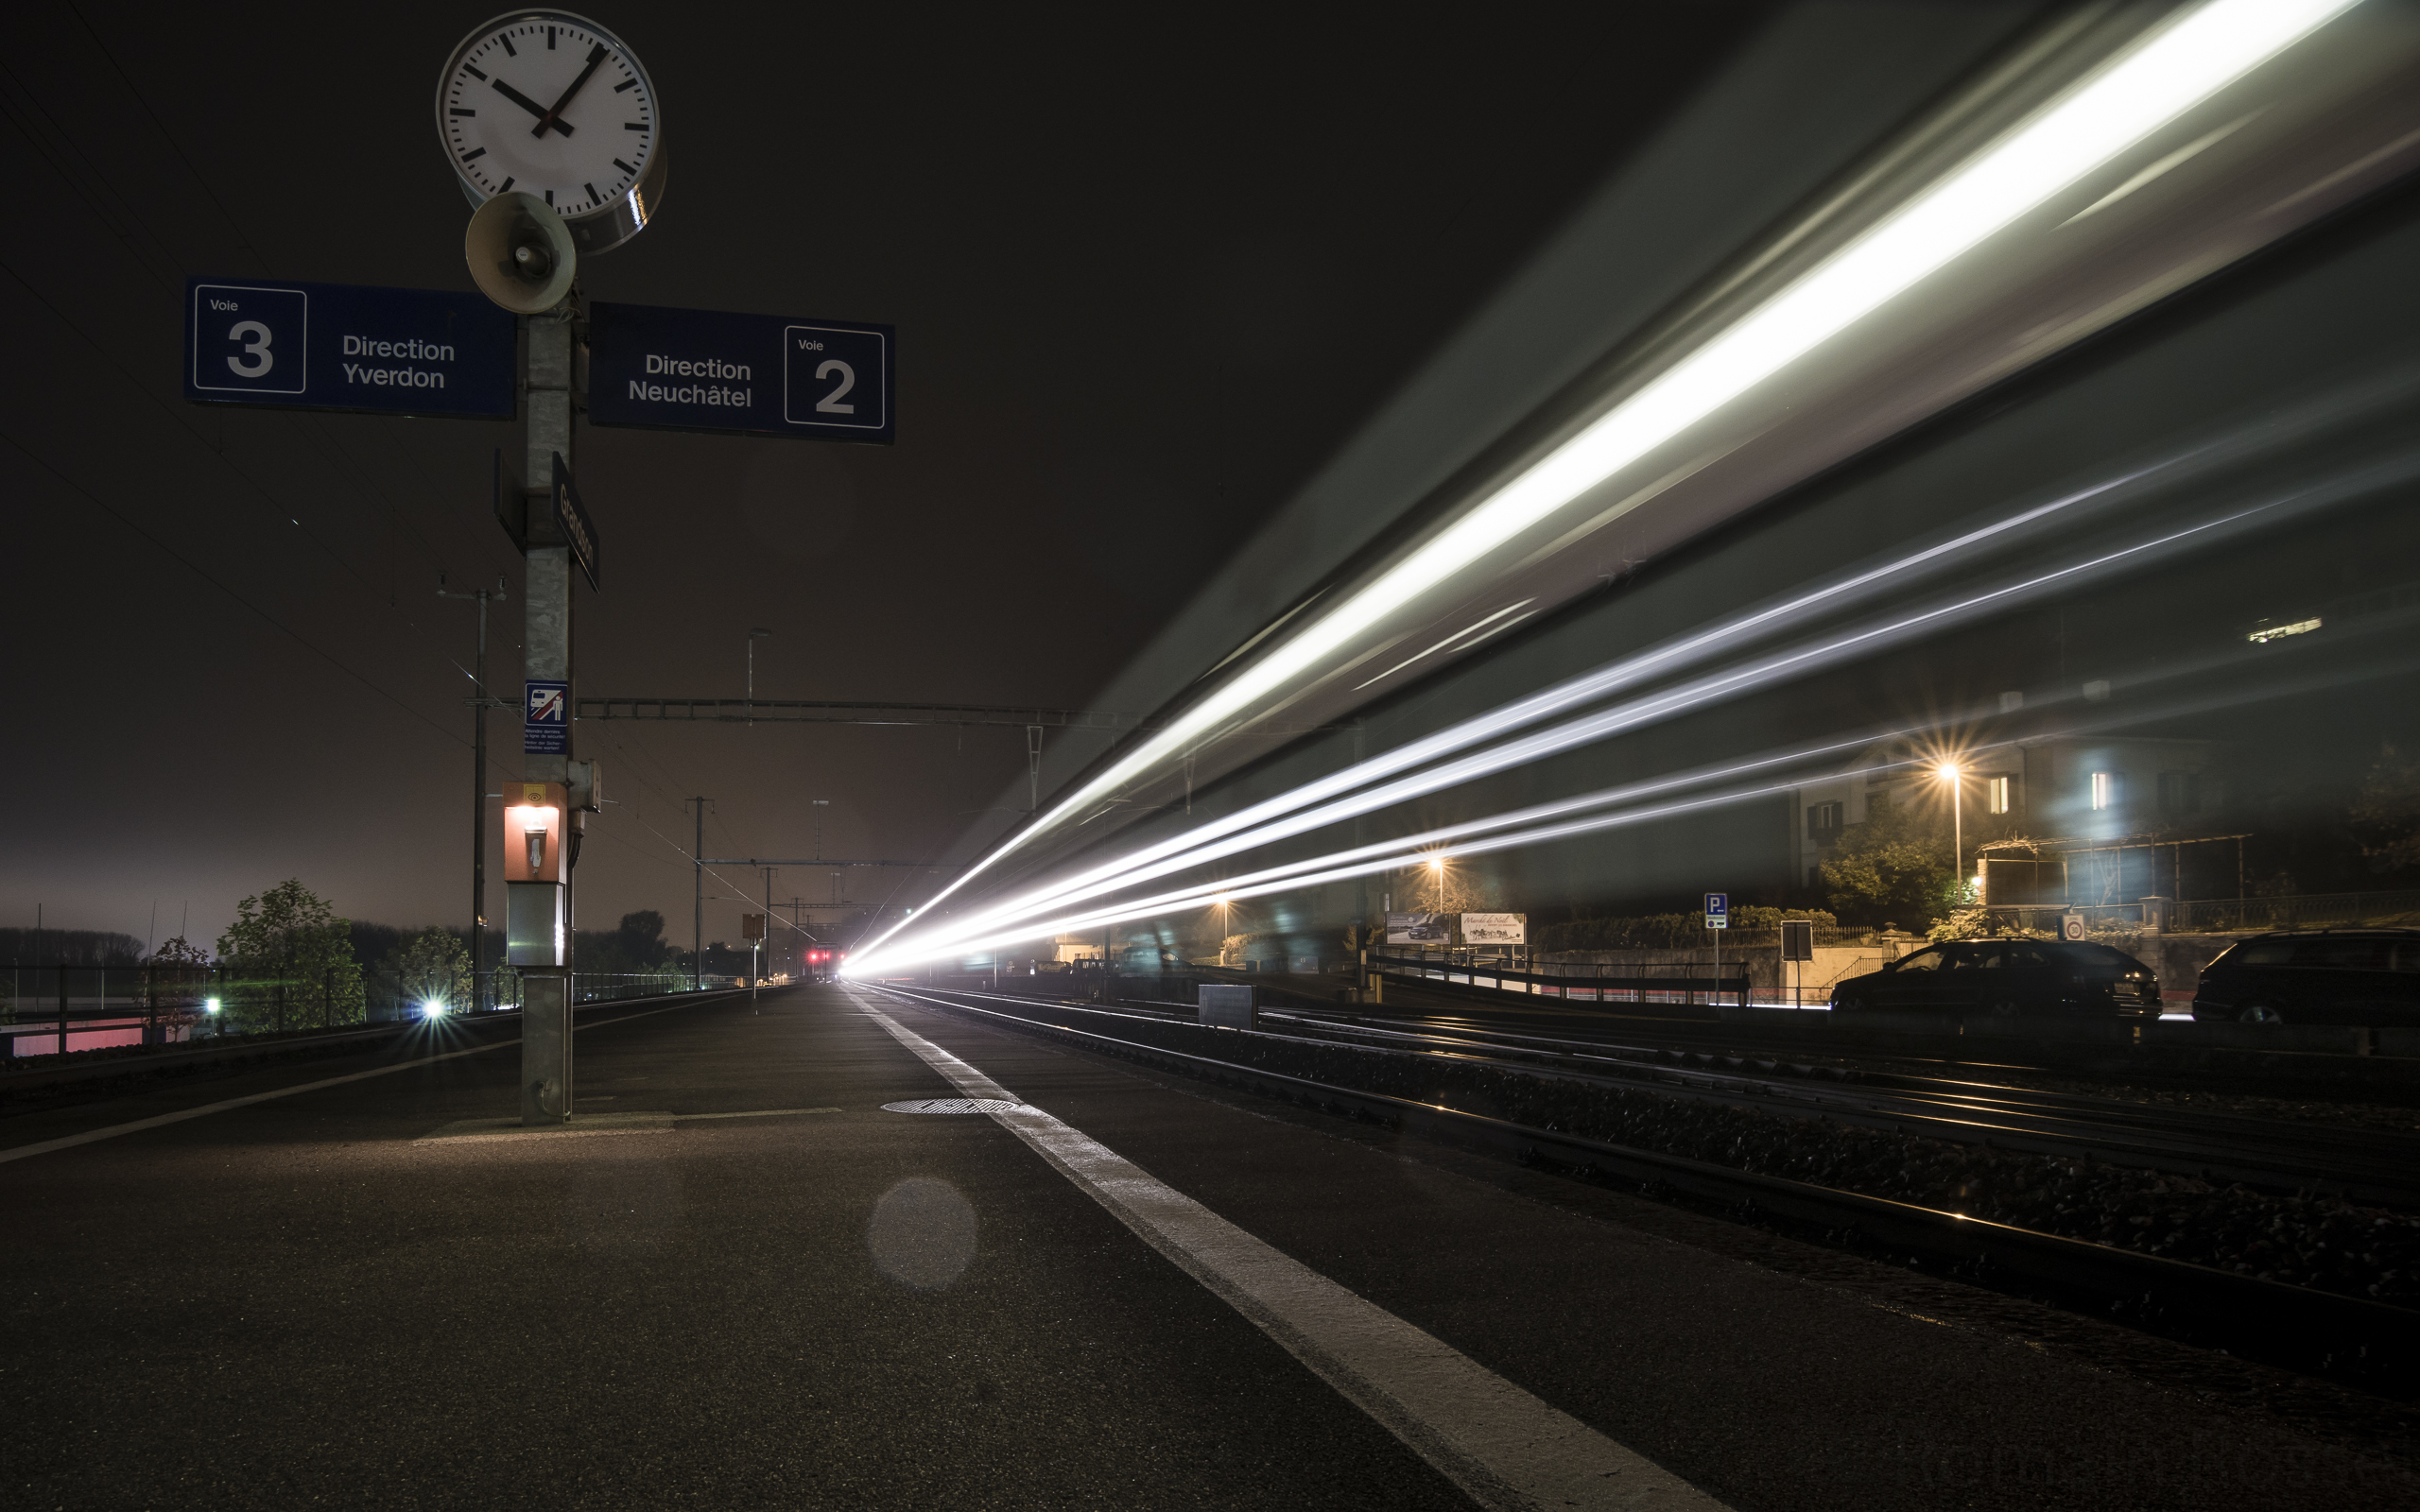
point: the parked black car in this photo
(2358, 976)
(2007, 977)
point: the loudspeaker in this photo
(520, 253)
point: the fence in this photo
(56, 1010)
(2228, 915)
(1594, 982)
(2307, 911)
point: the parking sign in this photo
(1717, 910)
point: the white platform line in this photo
(1503, 1446)
(68, 1141)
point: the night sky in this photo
(1146, 274)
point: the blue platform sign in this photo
(342, 345)
(761, 375)
(545, 718)
(1717, 910)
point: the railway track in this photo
(2364, 1166)
(2374, 1342)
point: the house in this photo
(2087, 792)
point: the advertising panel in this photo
(1420, 929)
(1496, 929)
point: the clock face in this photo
(551, 104)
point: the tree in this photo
(178, 980)
(1893, 869)
(433, 967)
(289, 961)
(2386, 811)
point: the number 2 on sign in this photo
(256, 348)
(830, 403)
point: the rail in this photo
(2303, 1328)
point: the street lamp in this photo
(1957, 779)
(1437, 869)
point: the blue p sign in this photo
(1717, 910)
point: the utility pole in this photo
(769, 918)
(754, 636)
(698, 921)
(482, 702)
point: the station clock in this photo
(551, 104)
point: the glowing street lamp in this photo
(1437, 869)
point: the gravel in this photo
(2299, 1239)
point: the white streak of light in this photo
(2165, 73)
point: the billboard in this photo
(1496, 929)
(1420, 929)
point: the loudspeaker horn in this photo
(520, 253)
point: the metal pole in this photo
(1958, 829)
(479, 815)
(546, 654)
(479, 701)
(62, 1005)
(698, 922)
(766, 945)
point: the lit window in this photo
(2105, 790)
(1995, 794)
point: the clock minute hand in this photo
(596, 55)
(527, 103)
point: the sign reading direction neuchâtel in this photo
(339, 346)
(764, 375)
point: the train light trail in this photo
(1315, 806)
(2168, 72)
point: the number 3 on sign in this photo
(256, 359)
(830, 403)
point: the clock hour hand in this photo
(528, 104)
(595, 55)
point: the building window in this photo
(2179, 793)
(1995, 794)
(1823, 822)
(2108, 790)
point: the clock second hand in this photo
(595, 55)
(528, 104)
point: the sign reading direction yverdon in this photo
(338, 346)
(764, 374)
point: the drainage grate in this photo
(950, 1105)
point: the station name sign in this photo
(347, 347)
(762, 374)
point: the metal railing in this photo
(2305, 911)
(60, 1009)
(2227, 915)
(1595, 982)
